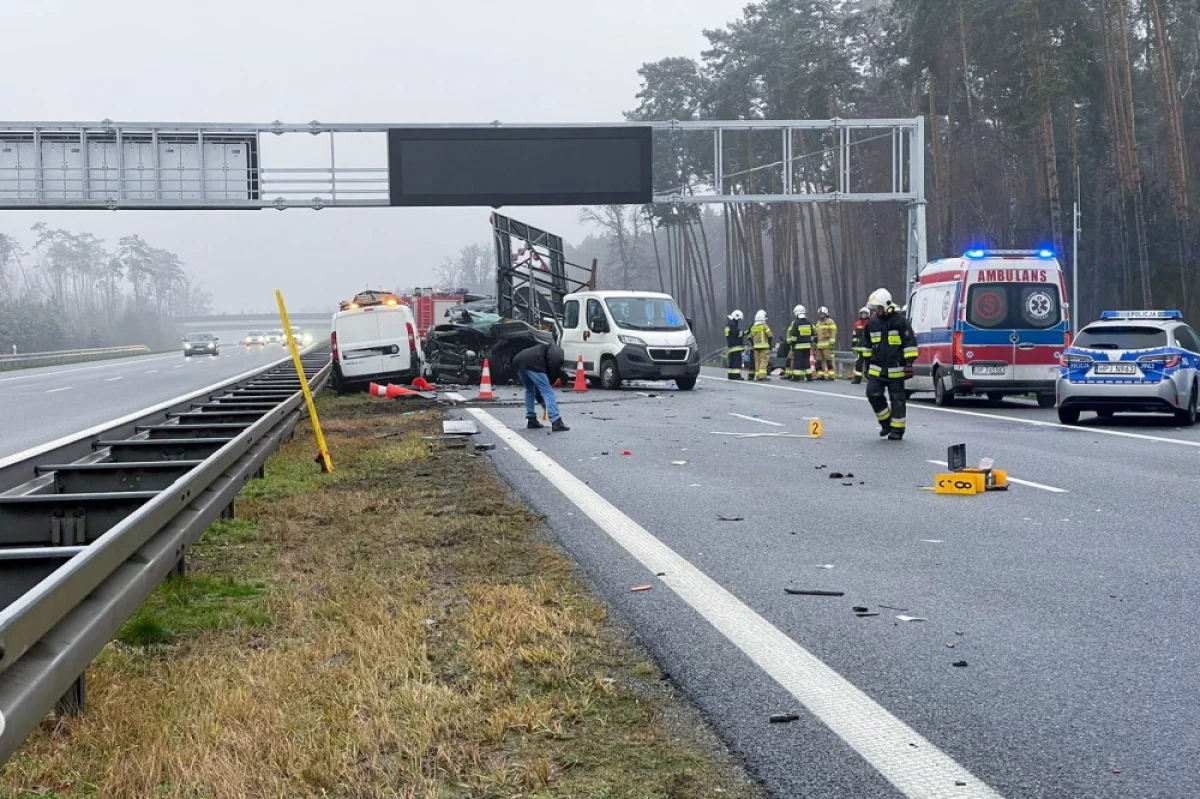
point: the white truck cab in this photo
(629, 335)
(374, 340)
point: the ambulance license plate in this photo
(1116, 369)
(989, 370)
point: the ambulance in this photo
(991, 323)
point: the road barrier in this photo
(27, 359)
(90, 527)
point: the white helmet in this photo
(865, 310)
(799, 311)
(760, 318)
(823, 311)
(880, 298)
(736, 316)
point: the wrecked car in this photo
(455, 351)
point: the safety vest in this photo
(826, 333)
(760, 337)
(893, 345)
(800, 334)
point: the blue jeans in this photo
(538, 383)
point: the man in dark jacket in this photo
(536, 367)
(893, 350)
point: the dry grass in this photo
(396, 629)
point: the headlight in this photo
(691, 341)
(634, 340)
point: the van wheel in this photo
(1046, 400)
(941, 396)
(1068, 415)
(610, 375)
(1187, 418)
(685, 383)
(995, 396)
(339, 386)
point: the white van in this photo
(629, 335)
(374, 341)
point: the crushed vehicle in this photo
(455, 351)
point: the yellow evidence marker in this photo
(816, 428)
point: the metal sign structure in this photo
(195, 166)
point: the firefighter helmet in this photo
(760, 318)
(880, 298)
(799, 311)
(736, 316)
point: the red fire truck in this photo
(430, 305)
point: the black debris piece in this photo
(731, 518)
(784, 718)
(849, 475)
(836, 475)
(859, 609)
(848, 484)
(866, 615)
(812, 592)
(484, 447)
(959, 664)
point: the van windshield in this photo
(1014, 306)
(1114, 337)
(646, 313)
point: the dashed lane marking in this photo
(1012, 479)
(915, 766)
(755, 419)
(111, 379)
(992, 416)
(56, 390)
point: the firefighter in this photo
(735, 342)
(826, 341)
(893, 350)
(858, 342)
(800, 339)
(761, 341)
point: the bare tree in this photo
(625, 226)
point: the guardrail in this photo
(89, 528)
(22, 360)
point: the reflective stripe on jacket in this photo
(826, 333)
(800, 334)
(761, 337)
(893, 344)
(735, 337)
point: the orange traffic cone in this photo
(399, 391)
(424, 385)
(485, 382)
(376, 390)
(580, 379)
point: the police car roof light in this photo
(1141, 314)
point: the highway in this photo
(42, 405)
(1071, 598)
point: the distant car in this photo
(256, 338)
(1131, 361)
(303, 338)
(201, 344)
(275, 337)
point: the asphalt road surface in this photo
(42, 405)
(1072, 598)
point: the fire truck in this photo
(430, 305)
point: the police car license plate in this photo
(1116, 369)
(989, 370)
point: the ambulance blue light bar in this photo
(1141, 315)
(976, 254)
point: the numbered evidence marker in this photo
(959, 483)
(816, 428)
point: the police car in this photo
(1131, 361)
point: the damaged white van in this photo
(629, 335)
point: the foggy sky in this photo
(395, 61)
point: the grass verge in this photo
(395, 629)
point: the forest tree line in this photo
(66, 290)
(1019, 96)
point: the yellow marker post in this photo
(816, 428)
(322, 450)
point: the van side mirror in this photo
(598, 324)
(691, 325)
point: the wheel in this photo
(1046, 400)
(995, 396)
(1187, 418)
(610, 375)
(941, 396)
(685, 383)
(1068, 415)
(339, 385)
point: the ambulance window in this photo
(1021, 306)
(987, 305)
(1038, 305)
(571, 315)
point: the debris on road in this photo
(867, 614)
(932, 541)
(484, 447)
(950, 644)
(824, 565)
(784, 718)
(859, 609)
(626, 452)
(679, 463)
(640, 588)
(848, 484)
(959, 664)
(731, 518)
(836, 475)
(911, 618)
(461, 428)
(813, 592)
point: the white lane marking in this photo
(992, 416)
(56, 390)
(915, 766)
(151, 371)
(1012, 479)
(755, 419)
(111, 379)
(454, 396)
(783, 434)
(177, 366)
(33, 452)
(135, 360)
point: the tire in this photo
(941, 396)
(685, 383)
(610, 375)
(1068, 415)
(1187, 418)
(1046, 400)
(995, 396)
(339, 385)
